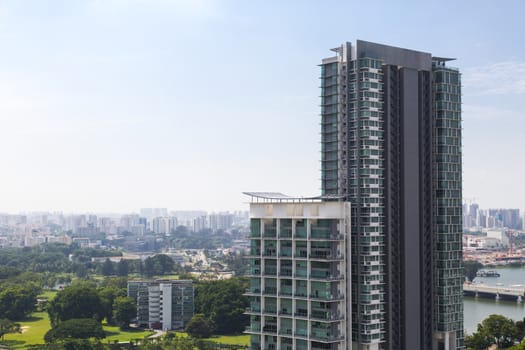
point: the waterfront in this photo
(476, 309)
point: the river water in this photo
(477, 309)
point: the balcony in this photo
(301, 333)
(270, 329)
(285, 272)
(301, 273)
(285, 252)
(285, 312)
(286, 232)
(255, 271)
(270, 252)
(327, 297)
(270, 271)
(253, 290)
(301, 292)
(253, 327)
(270, 310)
(270, 232)
(254, 308)
(324, 315)
(325, 254)
(270, 290)
(300, 232)
(301, 253)
(256, 253)
(285, 331)
(285, 291)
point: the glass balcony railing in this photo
(270, 271)
(255, 252)
(320, 274)
(270, 252)
(254, 327)
(300, 232)
(270, 232)
(270, 329)
(301, 273)
(285, 251)
(301, 292)
(324, 254)
(254, 308)
(301, 332)
(285, 331)
(285, 272)
(270, 290)
(285, 291)
(325, 315)
(286, 312)
(286, 232)
(270, 309)
(301, 253)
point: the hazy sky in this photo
(113, 105)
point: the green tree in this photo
(520, 346)
(159, 264)
(499, 330)
(122, 268)
(477, 341)
(7, 326)
(75, 328)
(470, 268)
(223, 303)
(199, 326)
(17, 301)
(107, 268)
(76, 301)
(107, 296)
(124, 310)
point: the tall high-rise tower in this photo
(391, 145)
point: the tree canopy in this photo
(199, 326)
(8, 326)
(470, 268)
(495, 329)
(224, 304)
(17, 301)
(75, 328)
(124, 310)
(76, 301)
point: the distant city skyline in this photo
(110, 106)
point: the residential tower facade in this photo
(391, 145)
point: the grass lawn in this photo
(243, 339)
(114, 333)
(48, 294)
(34, 329)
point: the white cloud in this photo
(496, 79)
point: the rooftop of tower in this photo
(272, 197)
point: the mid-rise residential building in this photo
(299, 260)
(163, 304)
